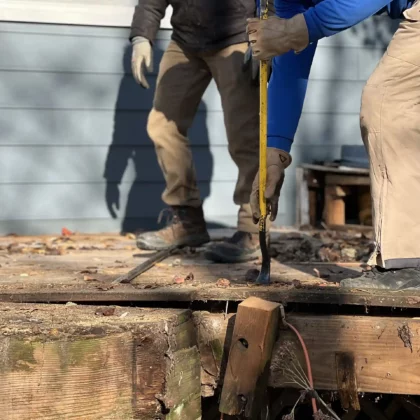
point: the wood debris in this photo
(223, 283)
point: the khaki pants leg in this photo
(181, 82)
(240, 102)
(390, 125)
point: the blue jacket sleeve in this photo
(329, 17)
(288, 84)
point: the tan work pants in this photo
(390, 125)
(182, 80)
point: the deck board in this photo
(82, 268)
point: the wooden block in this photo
(59, 362)
(247, 371)
(353, 180)
(369, 339)
(346, 380)
(306, 189)
(334, 210)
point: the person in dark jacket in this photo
(209, 41)
(389, 120)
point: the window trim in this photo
(72, 13)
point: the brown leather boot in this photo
(241, 247)
(185, 227)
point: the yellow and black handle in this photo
(264, 276)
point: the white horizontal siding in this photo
(67, 95)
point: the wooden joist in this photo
(60, 361)
(385, 350)
(248, 366)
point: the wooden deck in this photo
(122, 353)
(81, 268)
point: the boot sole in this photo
(193, 242)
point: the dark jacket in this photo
(198, 25)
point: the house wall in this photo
(68, 103)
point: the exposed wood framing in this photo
(60, 361)
(383, 363)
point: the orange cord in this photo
(308, 362)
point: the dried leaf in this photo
(24, 275)
(189, 277)
(130, 236)
(66, 232)
(124, 315)
(223, 283)
(88, 271)
(178, 279)
(71, 304)
(105, 311)
(89, 278)
(297, 283)
(316, 271)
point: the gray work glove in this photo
(277, 161)
(141, 59)
(276, 36)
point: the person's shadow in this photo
(130, 142)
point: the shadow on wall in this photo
(376, 32)
(131, 142)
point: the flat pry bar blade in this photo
(264, 275)
(146, 265)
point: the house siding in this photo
(69, 107)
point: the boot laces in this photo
(170, 215)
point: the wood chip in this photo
(223, 283)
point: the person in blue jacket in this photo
(389, 120)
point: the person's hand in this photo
(277, 161)
(276, 36)
(141, 59)
(112, 196)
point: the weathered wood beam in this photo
(385, 350)
(59, 361)
(248, 366)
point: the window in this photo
(117, 13)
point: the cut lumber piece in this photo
(386, 350)
(86, 362)
(248, 366)
(353, 180)
(335, 208)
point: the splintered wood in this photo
(247, 371)
(66, 362)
